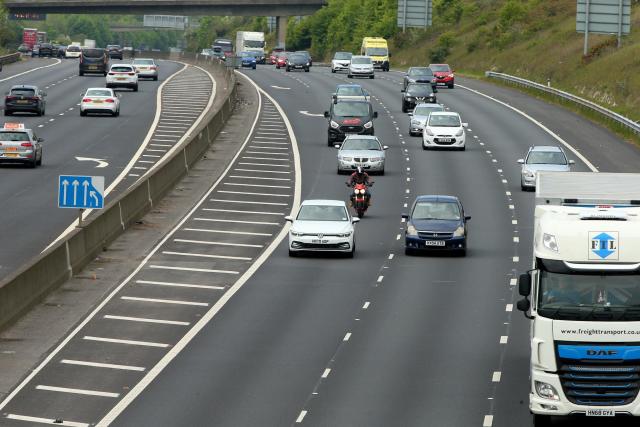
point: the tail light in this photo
(86, 100)
(11, 98)
(34, 98)
(111, 74)
(132, 74)
(153, 67)
(26, 144)
(109, 100)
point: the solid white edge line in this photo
(113, 293)
(30, 71)
(134, 158)
(176, 349)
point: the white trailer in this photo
(251, 41)
(583, 296)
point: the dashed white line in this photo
(164, 301)
(366, 305)
(513, 281)
(380, 279)
(102, 365)
(504, 339)
(146, 320)
(516, 239)
(188, 254)
(516, 259)
(347, 337)
(508, 307)
(179, 285)
(488, 421)
(301, 417)
(496, 376)
(206, 242)
(234, 221)
(195, 270)
(326, 373)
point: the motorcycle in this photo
(359, 201)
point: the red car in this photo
(444, 75)
(274, 55)
(281, 60)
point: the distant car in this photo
(100, 100)
(281, 60)
(93, 60)
(444, 130)
(361, 150)
(24, 48)
(217, 52)
(322, 226)
(349, 117)
(417, 93)
(73, 51)
(419, 75)
(115, 51)
(436, 223)
(444, 75)
(206, 52)
(297, 61)
(35, 50)
(259, 56)
(350, 92)
(307, 55)
(274, 55)
(25, 99)
(247, 60)
(341, 61)
(20, 145)
(122, 75)
(146, 67)
(361, 66)
(419, 117)
(47, 49)
(61, 50)
(542, 158)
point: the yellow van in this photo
(378, 49)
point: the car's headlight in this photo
(368, 125)
(296, 233)
(375, 159)
(346, 159)
(334, 125)
(345, 234)
(529, 174)
(460, 132)
(459, 232)
(428, 131)
(415, 122)
(451, 75)
(411, 230)
(307, 64)
(546, 391)
(549, 242)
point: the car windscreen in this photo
(13, 136)
(93, 53)
(143, 62)
(99, 92)
(351, 109)
(444, 121)
(425, 110)
(342, 55)
(445, 211)
(73, 49)
(361, 144)
(377, 51)
(256, 44)
(297, 58)
(546, 158)
(322, 213)
(23, 92)
(439, 68)
(420, 72)
(121, 69)
(360, 60)
(419, 90)
(350, 91)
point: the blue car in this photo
(247, 60)
(436, 223)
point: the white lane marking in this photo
(366, 305)
(234, 221)
(504, 339)
(512, 207)
(77, 391)
(269, 153)
(241, 211)
(508, 307)
(391, 256)
(265, 158)
(246, 233)
(127, 342)
(540, 125)
(189, 254)
(488, 421)
(146, 320)
(195, 270)
(347, 337)
(380, 278)
(160, 145)
(133, 174)
(280, 87)
(102, 365)
(504, 181)
(254, 194)
(516, 239)
(156, 150)
(264, 164)
(263, 147)
(326, 373)
(152, 156)
(513, 281)
(496, 377)
(179, 285)
(177, 348)
(30, 71)
(250, 202)
(260, 170)
(398, 237)
(140, 167)
(301, 417)
(508, 193)
(514, 221)
(256, 185)
(165, 301)
(38, 420)
(259, 177)
(206, 242)
(516, 259)
(146, 161)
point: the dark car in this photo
(307, 55)
(436, 223)
(417, 93)
(60, 50)
(47, 49)
(115, 51)
(25, 99)
(349, 117)
(94, 61)
(24, 48)
(419, 75)
(297, 61)
(35, 51)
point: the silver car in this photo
(419, 117)
(146, 68)
(361, 150)
(542, 158)
(20, 145)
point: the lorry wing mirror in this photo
(524, 305)
(524, 284)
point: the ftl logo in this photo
(603, 245)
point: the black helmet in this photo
(359, 171)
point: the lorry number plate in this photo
(601, 412)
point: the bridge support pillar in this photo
(281, 31)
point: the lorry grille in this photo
(599, 382)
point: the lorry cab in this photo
(378, 49)
(583, 296)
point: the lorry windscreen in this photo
(377, 51)
(256, 44)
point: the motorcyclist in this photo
(359, 176)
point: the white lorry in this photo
(583, 296)
(251, 41)
(89, 43)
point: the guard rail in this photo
(8, 59)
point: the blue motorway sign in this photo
(81, 192)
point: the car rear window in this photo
(351, 109)
(93, 53)
(425, 110)
(420, 72)
(546, 158)
(361, 144)
(73, 49)
(322, 213)
(360, 60)
(122, 69)
(23, 92)
(445, 211)
(437, 120)
(13, 136)
(144, 61)
(440, 68)
(99, 92)
(350, 91)
(343, 55)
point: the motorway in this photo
(31, 218)
(380, 340)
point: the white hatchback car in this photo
(322, 226)
(444, 129)
(146, 68)
(100, 100)
(122, 75)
